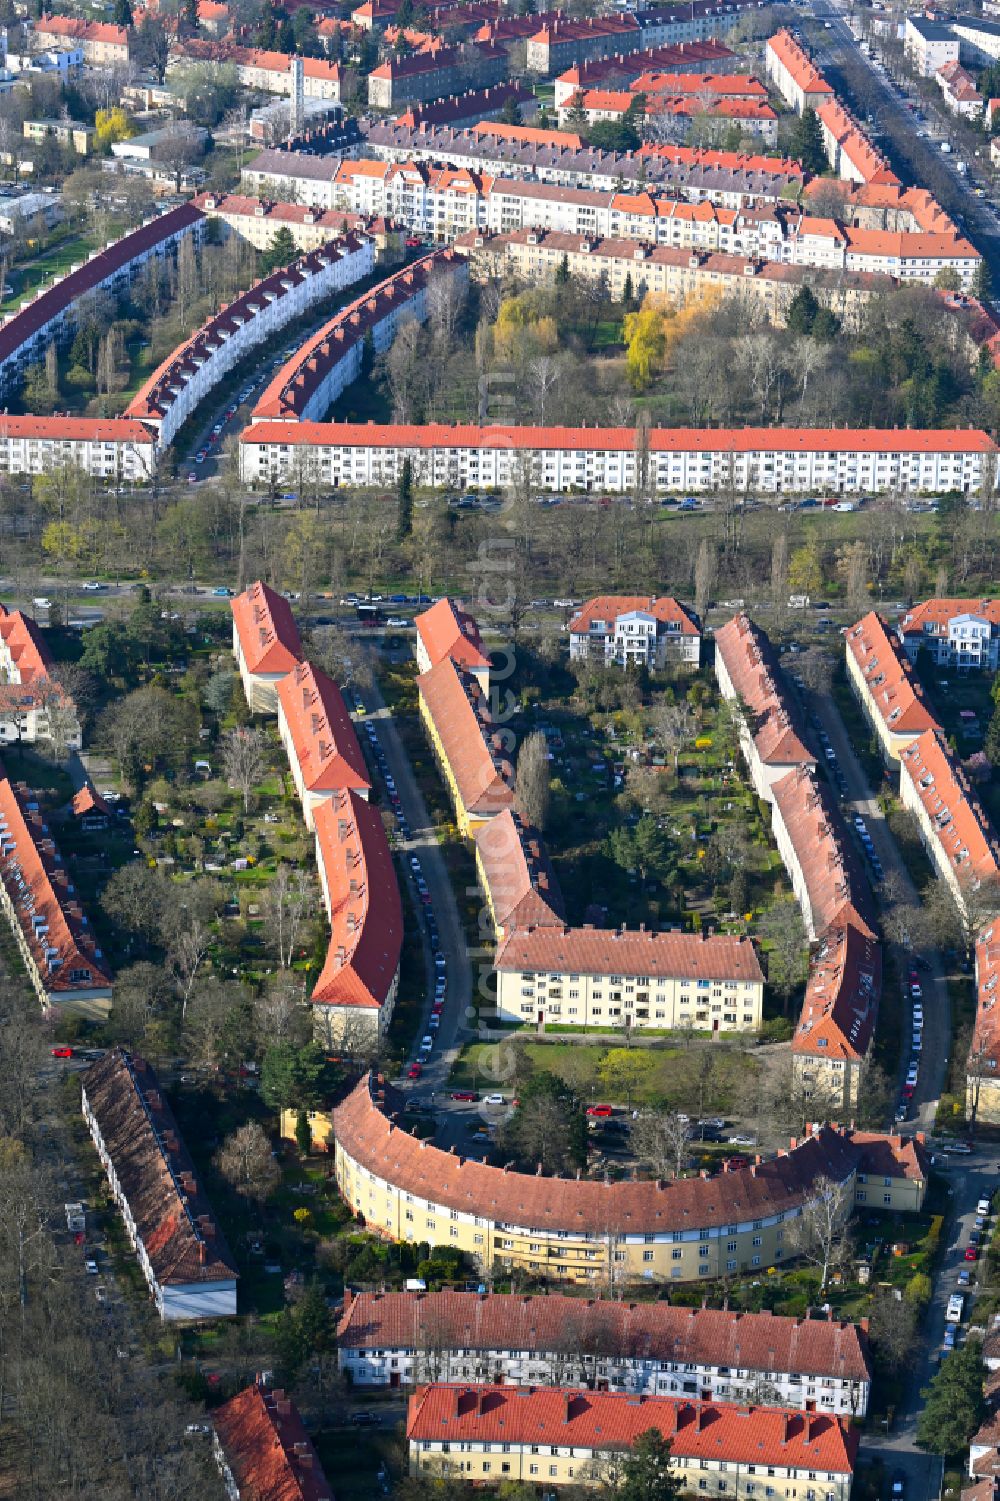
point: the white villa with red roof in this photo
(28, 692)
(635, 630)
(960, 634)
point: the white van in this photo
(956, 1303)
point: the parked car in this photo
(465, 1095)
(601, 1111)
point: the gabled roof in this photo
(641, 1331)
(614, 1420)
(446, 630)
(984, 1053)
(22, 648)
(172, 1216)
(630, 951)
(965, 837)
(363, 904)
(45, 902)
(838, 892)
(269, 637)
(268, 1451)
(890, 680)
(322, 735)
(608, 607)
(798, 64)
(463, 724)
(842, 996)
(520, 880)
(932, 616)
(579, 1206)
(752, 665)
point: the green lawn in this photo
(43, 268)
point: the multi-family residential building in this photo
(516, 875)
(469, 749)
(637, 630)
(169, 1221)
(115, 449)
(792, 72)
(446, 630)
(320, 741)
(622, 71)
(51, 315)
(604, 460)
(929, 44)
(67, 132)
(958, 89)
(954, 826)
(173, 392)
(554, 1436)
(979, 39)
(62, 959)
(711, 116)
(650, 1349)
(101, 43)
(826, 876)
(676, 274)
(258, 221)
(435, 72)
(629, 979)
(586, 1230)
(263, 1451)
(266, 644)
(982, 1068)
(33, 705)
(885, 686)
(353, 999)
(960, 634)
(771, 734)
(269, 72)
(323, 366)
(838, 1016)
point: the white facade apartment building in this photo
(601, 977)
(954, 826)
(115, 449)
(766, 460)
(186, 377)
(960, 634)
(635, 631)
(929, 45)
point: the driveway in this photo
(937, 1007)
(423, 843)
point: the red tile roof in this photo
(463, 724)
(87, 800)
(578, 1206)
(608, 607)
(798, 64)
(75, 29)
(613, 1420)
(842, 996)
(322, 734)
(446, 630)
(932, 617)
(894, 691)
(287, 395)
(22, 648)
(984, 1053)
(752, 666)
(267, 1448)
(156, 1175)
(45, 901)
(892, 1156)
(724, 85)
(630, 951)
(837, 889)
(269, 637)
(966, 839)
(640, 1331)
(519, 877)
(632, 65)
(156, 396)
(55, 299)
(237, 205)
(363, 903)
(74, 429)
(622, 439)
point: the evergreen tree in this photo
(646, 1473)
(189, 14)
(807, 142)
(628, 290)
(404, 496)
(280, 252)
(562, 271)
(122, 13)
(954, 1402)
(826, 326)
(303, 1134)
(511, 112)
(982, 279)
(802, 311)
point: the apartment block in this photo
(263, 1451)
(516, 876)
(469, 748)
(954, 826)
(885, 686)
(635, 631)
(33, 704)
(962, 635)
(771, 734)
(447, 631)
(319, 739)
(266, 644)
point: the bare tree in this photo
(818, 1234)
(187, 951)
(661, 1138)
(532, 786)
(815, 667)
(243, 759)
(280, 1014)
(246, 1162)
(673, 726)
(705, 573)
(287, 904)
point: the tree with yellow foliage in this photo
(111, 125)
(522, 328)
(652, 333)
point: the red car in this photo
(62, 1052)
(414, 1071)
(971, 1254)
(602, 1111)
(464, 1094)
